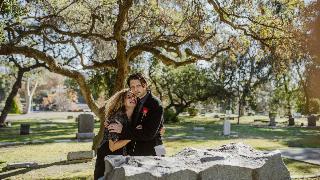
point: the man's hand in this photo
(115, 127)
(162, 131)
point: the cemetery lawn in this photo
(261, 137)
(52, 155)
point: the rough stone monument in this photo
(227, 162)
(85, 126)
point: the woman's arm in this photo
(115, 145)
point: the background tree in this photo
(185, 86)
(5, 83)
(21, 70)
(31, 83)
(251, 68)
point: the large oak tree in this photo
(76, 38)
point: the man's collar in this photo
(143, 99)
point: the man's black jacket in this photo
(150, 116)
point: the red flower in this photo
(145, 111)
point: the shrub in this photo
(272, 114)
(193, 111)
(170, 116)
(16, 107)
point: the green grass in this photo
(52, 155)
(52, 160)
(263, 138)
(298, 168)
(46, 130)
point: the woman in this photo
(119, 108)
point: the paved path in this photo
(310, 155)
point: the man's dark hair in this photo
(137, 76)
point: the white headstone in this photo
(228, 112)
(226, 127)
(227, 124)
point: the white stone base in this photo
(85, 135)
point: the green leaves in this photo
(12, 8)
(188, 84)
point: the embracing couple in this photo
(133, 124)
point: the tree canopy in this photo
(78, 39)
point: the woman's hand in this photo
(162, 131)
(115, 127)
(106, 124)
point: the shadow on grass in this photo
(48, 130)
(44, 130)
(292, 137)
(9, 173)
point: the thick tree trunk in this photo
(98, 138)
(14, 91)
(158, 89)
(98, 111)
(241, 104)
(180, 109)
(307, 100)
(239, 114)
(121, 77)
(288, 106)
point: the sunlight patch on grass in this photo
(298, 168)
(175, 146)
(42, 153)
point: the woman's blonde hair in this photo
(116, 103)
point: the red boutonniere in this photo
(145, 111)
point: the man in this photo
(147, 120)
